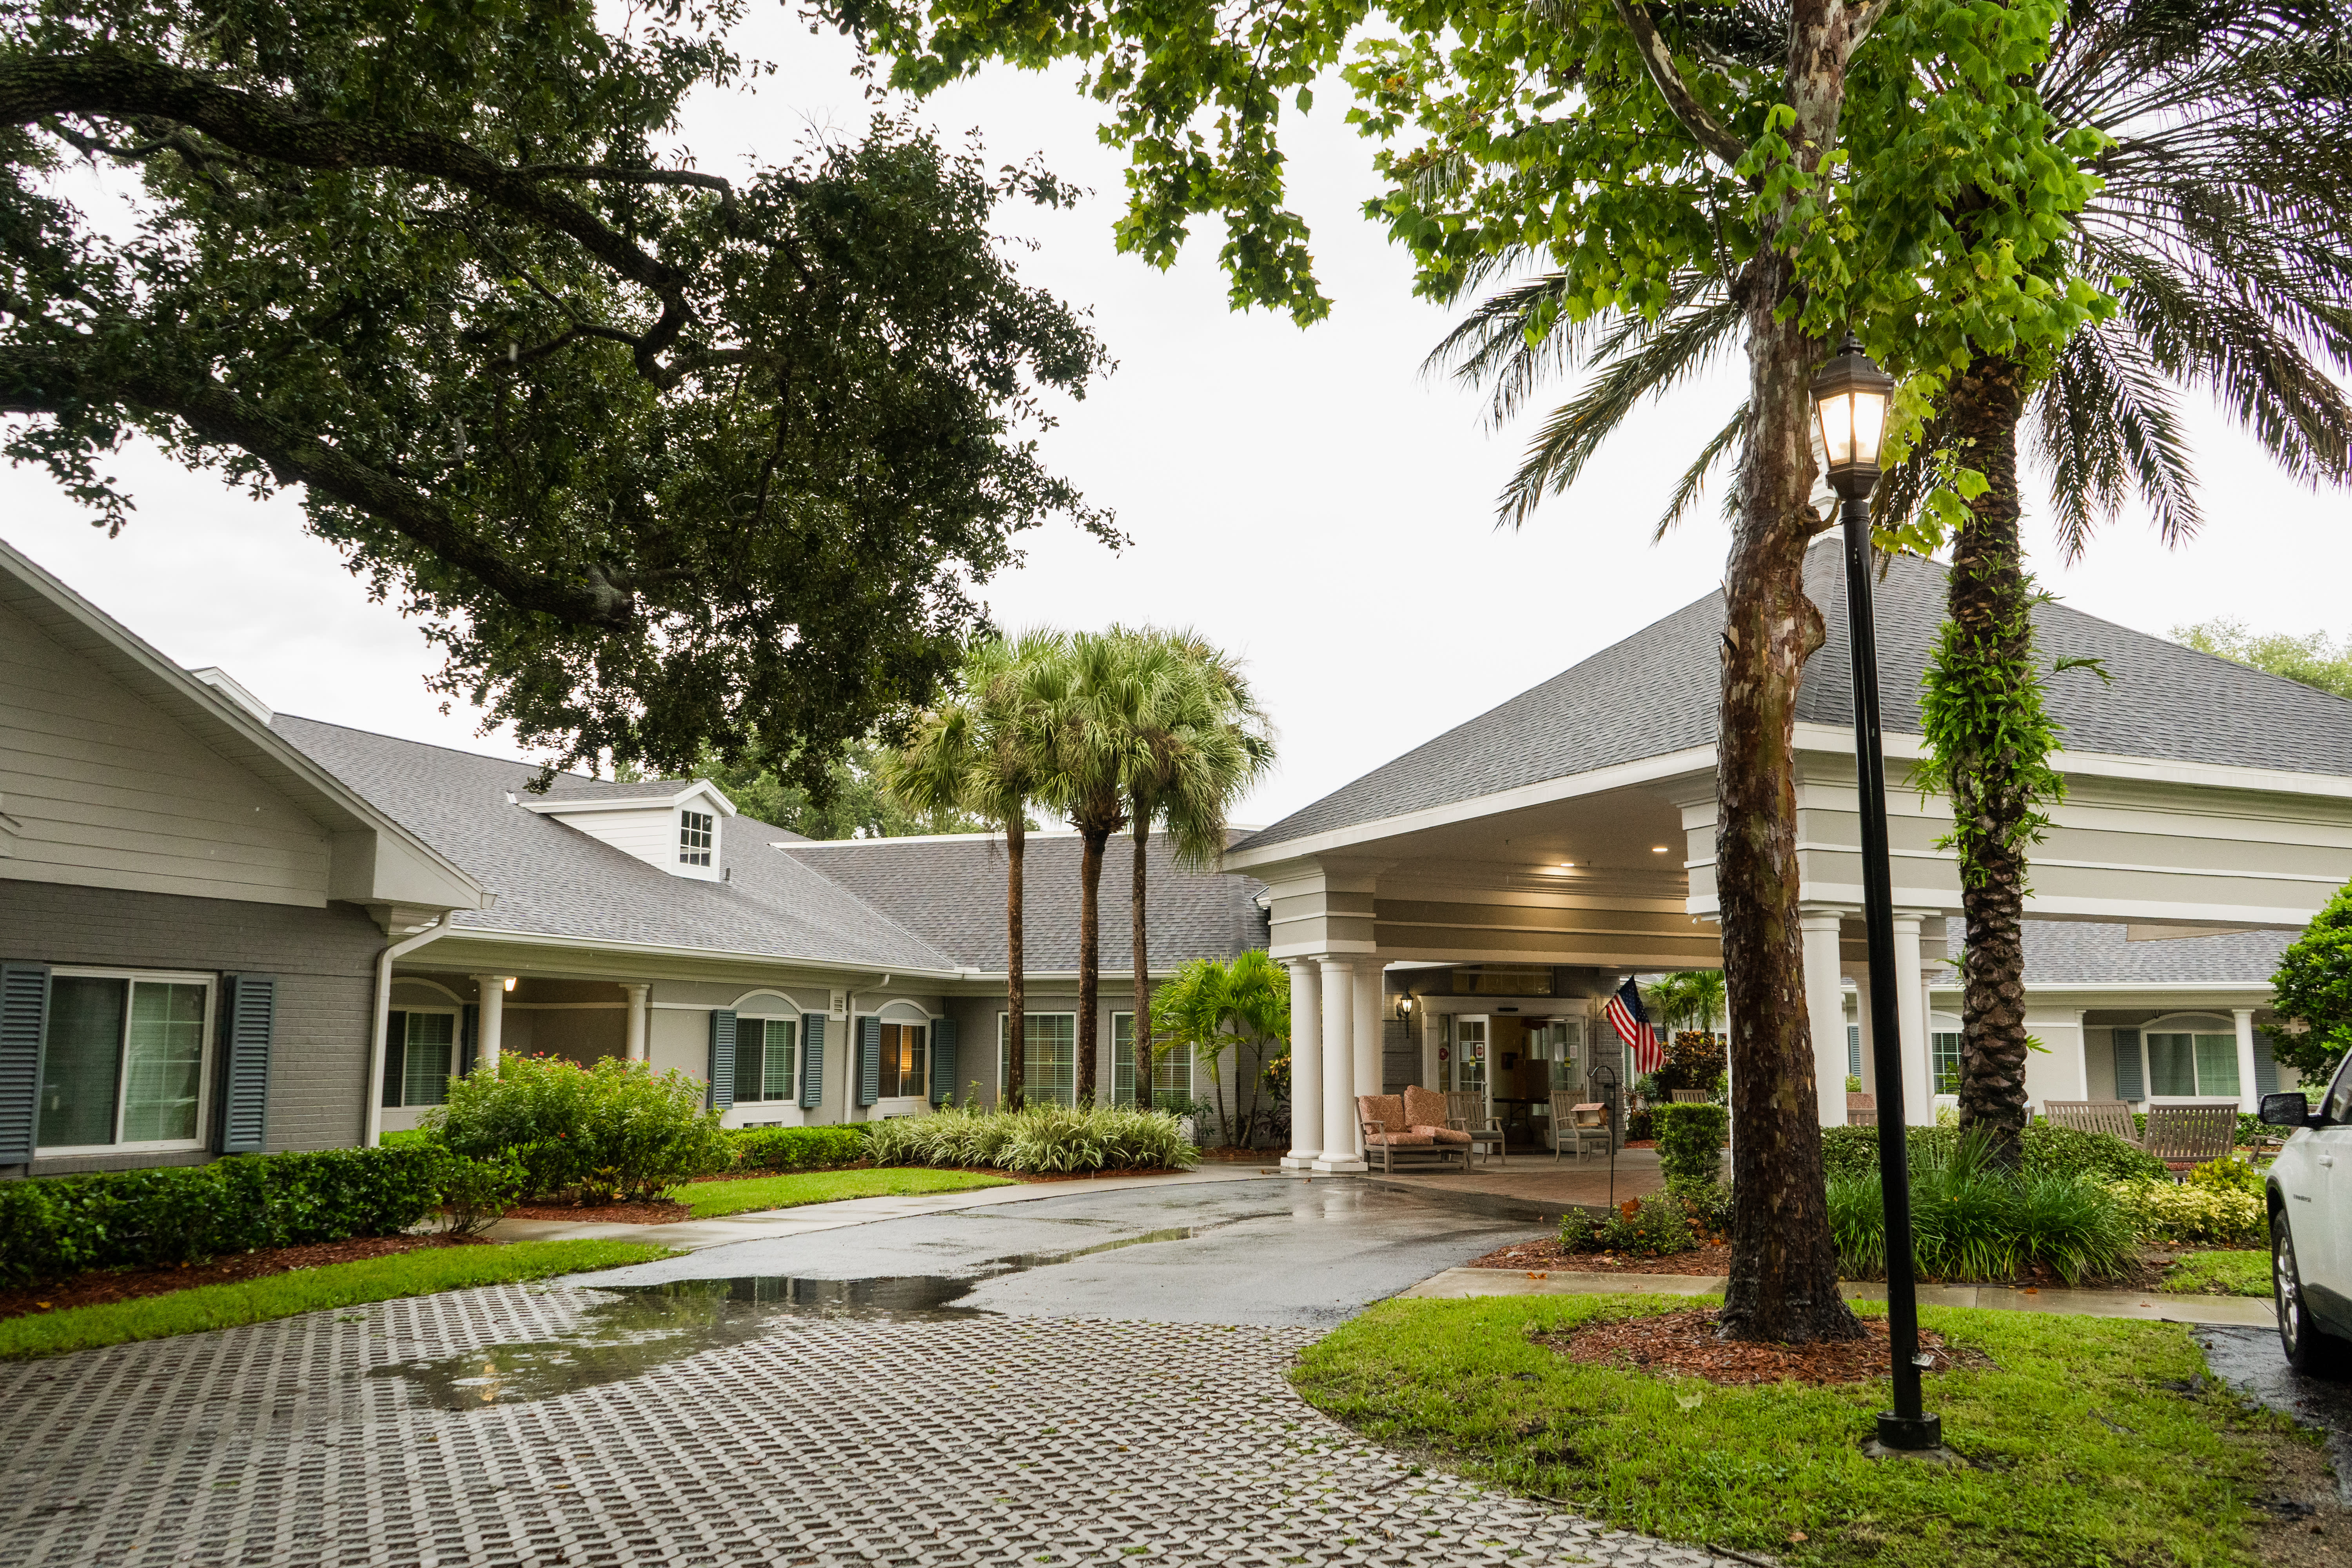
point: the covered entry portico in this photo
(1573, 827)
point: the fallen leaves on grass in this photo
(1683, 1343)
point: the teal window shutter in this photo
(2127, 1079)
(395, 1059)
(250, 1023)
(723, 1059)
(1853, 1050)
(469, 1038)
(2265, 1065)
(869, 1060)
(943, 1059)
(23, 1021)
(812, 1060)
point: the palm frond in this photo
(2106, 426)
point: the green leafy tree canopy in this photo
(662, 458)
(2316, 660)
(2313, 993)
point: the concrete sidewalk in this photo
(768, 1224)
(1455, 1284)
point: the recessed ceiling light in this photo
(1657, 848)
(1568, 865)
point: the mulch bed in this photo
(99, 1285)
(1545, 1255)
(1683, 1343)
(661, 1210)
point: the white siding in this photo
(650, 835)
(108, 793)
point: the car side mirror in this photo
(2290, 1110)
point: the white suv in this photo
(2311, 1225)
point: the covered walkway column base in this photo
(1342, 1153)
(1305, 1064)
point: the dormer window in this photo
(694, 836)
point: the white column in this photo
(1371, 1034)
(635, 1050)
(2248, 1099)
(1341, 1150)
(1825, 1007)
(491, 993)
(1869, 1035)
(1305, 1064)
(1911, 1013)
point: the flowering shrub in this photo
(2162, 1211)
(1653, 1227)
(611, 1132)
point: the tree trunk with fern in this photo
(1986, 658)
(1141, 1044)
(1015, 989)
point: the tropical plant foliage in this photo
(1231, 1016)
(661, 458)
(1972, 1219)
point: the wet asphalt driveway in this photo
(1277, 1252)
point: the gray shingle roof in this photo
(1654, 693)
(951, 892)
(554, 880)
(2071, 953)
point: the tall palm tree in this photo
(1197, 740)
(2227, 210)
(1087, 743)
(984, 751)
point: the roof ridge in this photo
(436, 746)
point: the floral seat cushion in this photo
(1423, 1109)
(1413, 1140)
(1443, 1134)
(1382, 1110)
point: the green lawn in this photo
(2078, 1456)
(418, 1273)
(711, 1199)
(2220, 1274)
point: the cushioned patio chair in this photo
(2112, 1117)
(1391, 1144)
(2184, 1136)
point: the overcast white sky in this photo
(1303, 497)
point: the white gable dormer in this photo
(676, 831)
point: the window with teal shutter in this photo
(723, 1059)
(469, 1038)
(944, 1034)
(395, 1052)
(1853, 1050)
(869, 1060)
(2128, 1078)
(24, 1019)
(249, 1026)
(812, 1060)
(2265, 1065)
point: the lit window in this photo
(123, 1062)
(902, 1060)
(694, 836)
(764, 1054)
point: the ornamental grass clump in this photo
(1970, 1220)
(1037, 1139)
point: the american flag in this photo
(1633, 1026)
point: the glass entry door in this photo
(1462, 1060)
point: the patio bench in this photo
(2184, 1136)
(2113, 1117)
(1392, 1144)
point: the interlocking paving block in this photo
(533, 1426)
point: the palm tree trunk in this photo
(1089, 956)
(1990, 603)
(1783, 1277)
(1016, 997)
(1142, 1041)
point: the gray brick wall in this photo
(324, 959)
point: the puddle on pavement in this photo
(643, 1327)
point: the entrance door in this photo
(1464, 1062)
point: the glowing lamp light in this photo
(1850, 398)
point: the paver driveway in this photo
(828, 1407)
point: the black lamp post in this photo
(1850, 402)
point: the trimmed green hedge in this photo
(798, 1148)
(52, 1227)
(1690, 1139)
(2049, 1151)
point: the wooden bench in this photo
(2112, 1117)
(2183, 1136)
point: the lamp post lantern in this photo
(1850, 395)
